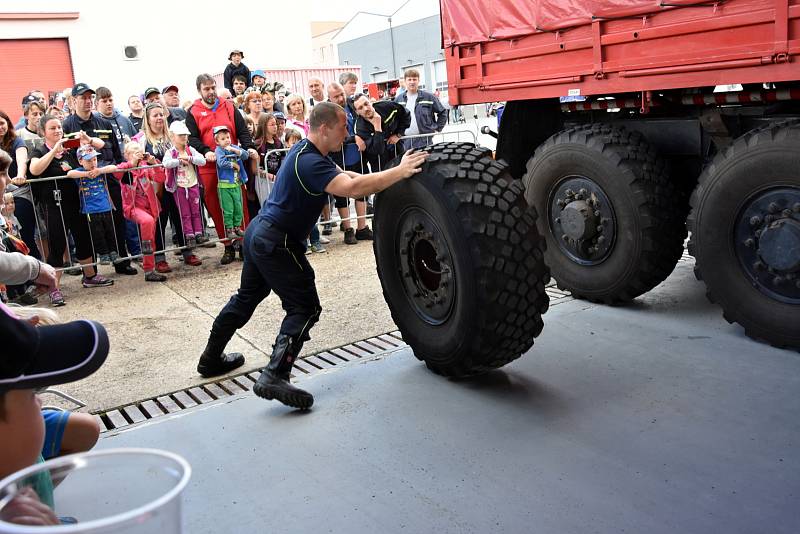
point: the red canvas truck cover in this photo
(509, 49)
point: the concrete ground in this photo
(158, 330)
(654, 417)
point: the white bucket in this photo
(125, 491)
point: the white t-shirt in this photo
(410, 104)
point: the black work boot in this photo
(274, 380)
(214, 362)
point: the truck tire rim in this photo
(426, 266)
(767, 242)
(582, 220)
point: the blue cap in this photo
(257, 73)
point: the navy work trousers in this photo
(272, 262)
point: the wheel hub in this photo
(582, 220)
(426, 266)
(768, 242)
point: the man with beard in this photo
(206, 113)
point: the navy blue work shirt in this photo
(298, 195)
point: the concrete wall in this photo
(176, 41)
(415, 44)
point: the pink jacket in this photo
(140, 192)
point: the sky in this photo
(343, 10)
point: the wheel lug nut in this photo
(758, 266)
(558, 220)
(597, 213)
(778, 280)
(564, 237)
(599, 228)
(755, 220)
(601, 240)
(749, 242)
(569, 192)
(786, 213)
(773, 207)
(579, 197)
(583, 192)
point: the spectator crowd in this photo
(83, 185)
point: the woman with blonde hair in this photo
(155, 139)
(296, 113)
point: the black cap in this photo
(81, 88)
(37, 357)
(150, 90)
(170, 88)
(27, 99)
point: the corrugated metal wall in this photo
(297, 79)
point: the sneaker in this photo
(28, 298)
(308, 250)
(239, 232)
(114, 256)
(190, 240)
(126, 269)
(228, 256)
(98, 280)
(230, 234)
(163, 267)
(147, 247)
(56, 298)
(201, 239)
(192, 260)
(74, 271)
(105, 259)
(318, 248)
(324, 240)
(350, 237)
(365, 234)
(327, 229)
(153, 276)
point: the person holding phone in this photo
(61, 202)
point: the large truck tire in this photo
(614, 223)
(460, 262)
(745, 233)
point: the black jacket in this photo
(231, 71)
(110, 153)
(394, 121)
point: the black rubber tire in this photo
(487, 234)
(762, 158)
(649, 210)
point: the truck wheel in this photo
(460, 262)
(613, 221)
(745, 225)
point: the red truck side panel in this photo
(737, 41)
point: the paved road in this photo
(655, 417)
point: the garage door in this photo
(27, 64)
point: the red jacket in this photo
(140, 192)
(207, 119)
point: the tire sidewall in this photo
(550, 167)
(435, 343)
(720, 200)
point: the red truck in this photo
(650, 152)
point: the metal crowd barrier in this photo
(263, 188)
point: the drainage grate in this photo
(176, 401)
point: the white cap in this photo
(179, 128)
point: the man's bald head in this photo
(336, 93)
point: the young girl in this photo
(139, 202)
(96, 203)
(267, 141)
(181, 181)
